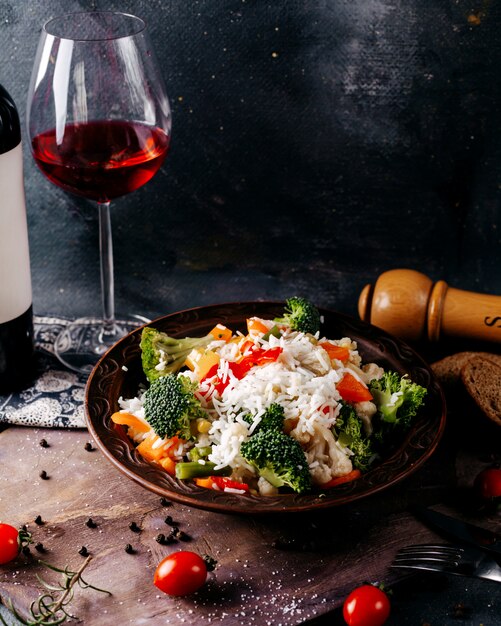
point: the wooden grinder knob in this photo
(411, 306)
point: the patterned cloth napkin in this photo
(57, 395)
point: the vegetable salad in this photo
(279, 408)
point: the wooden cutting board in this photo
(319, 559)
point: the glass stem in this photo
(106, 259)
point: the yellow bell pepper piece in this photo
(200, 361)
(221, 333)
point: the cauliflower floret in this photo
(366, 411)
(326, 457)
(317, 361)
(352, 346)
(265, 488)
(372, 371)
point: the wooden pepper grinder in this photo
(411, 306)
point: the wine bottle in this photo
(16, 316)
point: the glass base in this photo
(83, 342)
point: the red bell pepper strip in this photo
(352, 390)
(239, 370)
(226, 483)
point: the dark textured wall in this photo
(316, 143)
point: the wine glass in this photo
(99, 123)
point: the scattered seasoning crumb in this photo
(43, 475)
(91, 523)
(125, 368)
(39, 547)
(88, 446)
(165, 502)
(129, 549)
(43, 443)
(83, 551)
(38, 520)
(134, 527)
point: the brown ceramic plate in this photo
(110, 380)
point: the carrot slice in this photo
(169, 465)
(352, 390)
(335, 352)
(130, 420)
(204, 482)
(339, 480)
(256, 326)
(173, 442)
(146, 450)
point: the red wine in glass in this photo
(99, 123)
(101, 160)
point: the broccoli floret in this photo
(397, 398)
(349, 432)
(169, 405)
(161, 354)
(300, 315)
(279, 459)
(272, 419)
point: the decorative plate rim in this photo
(120, 368)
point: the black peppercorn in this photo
(43, 443)
(165, 502)
(83, 551)
(129, 549)
(210, 562)
(26, 551)
(134, 527)
(180, 534)
(163, 540)
(38, 520)
(88, 446)
(39, 547)
(168, 520)
(43, 475)
(90, 523)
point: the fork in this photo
(450, 559)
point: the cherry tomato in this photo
(366, 606)
(9, 543)
(488, 483)
(180, 573)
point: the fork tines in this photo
(428, 553)
(449, 559)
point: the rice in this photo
(305, 397)
(302, 380)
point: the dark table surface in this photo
(315, 145)
(354, 543)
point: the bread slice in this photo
(448, 370)
(482, 380)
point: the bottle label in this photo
(15, 278)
